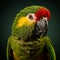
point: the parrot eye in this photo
(31, 16)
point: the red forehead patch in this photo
(42, 12)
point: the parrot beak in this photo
(41, 27)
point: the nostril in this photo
(41, 18)
(45, 20)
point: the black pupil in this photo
(31, 17)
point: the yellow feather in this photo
(24, 21)
(15, 56)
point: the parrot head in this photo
(33, 24)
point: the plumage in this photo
(28, 40)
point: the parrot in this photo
(28, 39)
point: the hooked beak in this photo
(41, 27)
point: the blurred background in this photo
(8, 11)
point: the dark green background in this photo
(9, 9)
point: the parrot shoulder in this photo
(9, 50)
(48, 40)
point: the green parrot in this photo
(28, 40)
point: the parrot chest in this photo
(28, 50)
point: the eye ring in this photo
(31, 16)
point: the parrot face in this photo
(40, 26)
(31, 25)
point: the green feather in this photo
(50, 48)
(28, 50)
